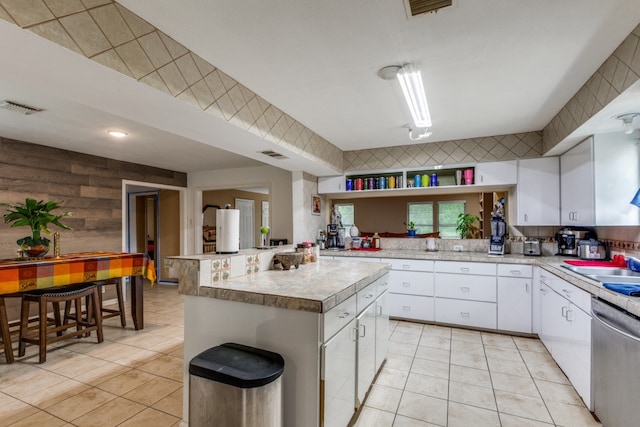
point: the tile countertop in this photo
(552, 264)
(316, 287)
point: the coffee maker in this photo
(569, 237)
(332, 236)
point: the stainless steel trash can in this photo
(233, 385)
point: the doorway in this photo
(153, 219)
(247, 228)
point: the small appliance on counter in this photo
(332, 236)
(569, 237)
(497, 241)
(532, 247)
(592, 249)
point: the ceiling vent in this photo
(418, 7)
(18, 108)
(273, 154)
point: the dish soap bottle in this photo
(376, 240)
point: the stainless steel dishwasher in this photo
(615, 376)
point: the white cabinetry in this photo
(496, 173)
(331, 184)
(339, 362)
(357, 331)
(514, 297)
(538, 191)
(466, 294)
(577, 184)
(411, 289)
(565, 329)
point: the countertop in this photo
(552, 264)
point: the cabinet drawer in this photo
(476, 268)
(515, 270)
(461, 286)
(411, 307)
(569, 291)
(468, 313)
(411, 282)
(366, 297)
(336, 318)
(409, 264)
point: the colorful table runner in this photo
(24, 275)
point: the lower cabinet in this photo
(339, 377)
(355, 350)
(478, 314)
(565, 329)
(411, 289)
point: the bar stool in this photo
(66, 294)
(110, 312)
(6, 335)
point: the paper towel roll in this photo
(227, 231)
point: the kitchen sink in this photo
(617, 279)
(606, 274)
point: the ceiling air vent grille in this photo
(273, 154)
(18, 108)
(418, 7)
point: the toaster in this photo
(532, 247)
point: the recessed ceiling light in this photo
(117, 133)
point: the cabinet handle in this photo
(465, 288)
(406, 284)
(516, 272)
(567, 292)
(406, 266)
(569, 315)
(364, 331)
(406, 308)
(378, 310)
(564, 312)
(464, 314)
(368, 296)
(344, 315)
(526, 287)
(464, 269)
(526, 218)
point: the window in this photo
(447, 218)
(347, 212)
(422, 216)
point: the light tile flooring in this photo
(434, 376)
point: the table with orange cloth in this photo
(24, 275)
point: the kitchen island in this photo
(295, 313)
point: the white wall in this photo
(278, 181)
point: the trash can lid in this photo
(238, 365)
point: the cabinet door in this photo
(331, 184)
(514, 304)
(382, 329)
(577, 185)
(552, 321)
(538, 191)
(366, 352)
(338, 383)
(496, 173)
(578, 343)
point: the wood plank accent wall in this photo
(89, 186)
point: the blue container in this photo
(434, 179)
(417, 181)
(349, 184)
(381, 183)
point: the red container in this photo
(359, 184)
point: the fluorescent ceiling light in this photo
(117, 133)
(413, 90)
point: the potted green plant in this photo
(37, 216)
(464, 224)
(411, 230)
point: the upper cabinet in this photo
(538, 191)
(577, 195)
(497, 173)
(598, 178)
